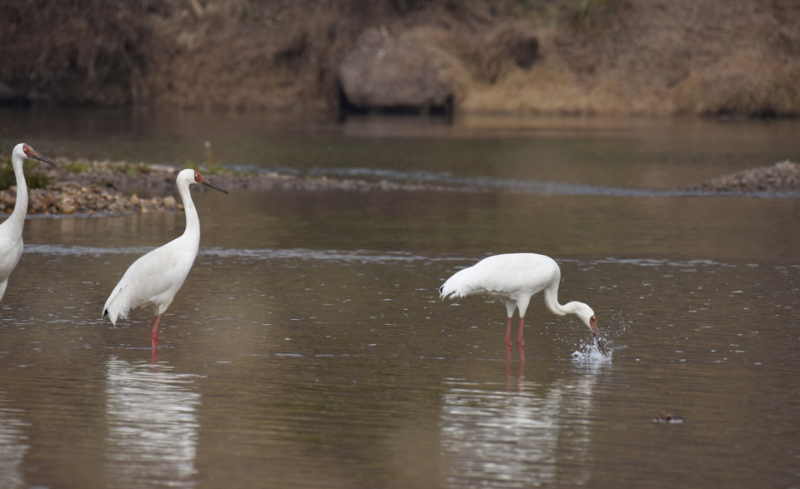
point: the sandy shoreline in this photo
(111, 188)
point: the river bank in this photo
(710, 58)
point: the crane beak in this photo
(596, 332)
(601, 344)
(212, 185)
(34, 155)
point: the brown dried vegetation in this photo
(569, 56)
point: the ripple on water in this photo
(360, 256)
(525, 186)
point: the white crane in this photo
(514, 278)
(11, 230)
(155, 278)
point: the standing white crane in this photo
(514, 278)
(11, 230)
(155, 278)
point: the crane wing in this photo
(510, 276)
(153, 279)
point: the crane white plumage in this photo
(11, 244)
(155, 278)
(514, 278)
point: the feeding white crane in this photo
(155, 278)
(514, 278)
(11, 230)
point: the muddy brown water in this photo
(308, 347)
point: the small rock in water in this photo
(670, 418)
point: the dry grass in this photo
(573, 56)
(743, 84)
(78, 52)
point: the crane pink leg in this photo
(154, 338)
(154, 360)
(520, 341)
(508, 340)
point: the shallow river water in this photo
(309, 348)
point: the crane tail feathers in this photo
(115, 307)
(461, 284)
(114, 314)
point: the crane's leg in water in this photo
(154, 339)
(520, 341)
(508, 340)
(520, 375)
(154, 360)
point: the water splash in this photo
(589, 353)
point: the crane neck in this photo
(17, 218)
(192, 220)
(551, 301)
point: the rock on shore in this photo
(381, 72)
(71, 198)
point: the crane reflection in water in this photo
(152, 425)
(12, 446)
(534, 434)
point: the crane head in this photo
(34, 155)
(589, 318)
(202, 181)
